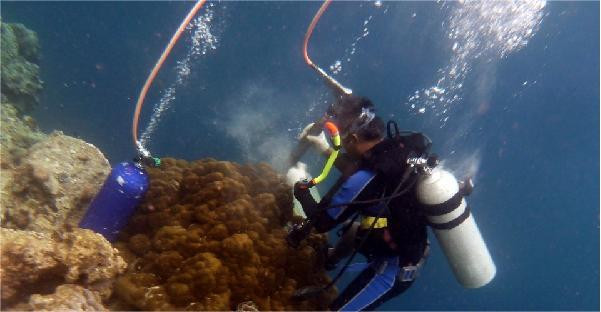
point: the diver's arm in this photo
(360, 186)
(319, 216)
(310, 136)
(329, 213)
(304, 197)
(346, 165)
(313, 135)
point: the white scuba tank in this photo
(455, 228)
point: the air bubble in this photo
(202, 40)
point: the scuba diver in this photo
(378, 188)
(389, 192)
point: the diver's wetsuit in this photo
(389, 248)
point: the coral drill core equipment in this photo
(128, 182)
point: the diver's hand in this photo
(301, 190)
(317, 141)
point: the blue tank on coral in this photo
(116, 201)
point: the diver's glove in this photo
(317, 140)
(301, 190)
(298, 233)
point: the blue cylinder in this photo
(116, 201)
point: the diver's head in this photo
(347, 109)
(360, 128)
(363, 133)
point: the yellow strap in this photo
(336, 141)
(367, 221)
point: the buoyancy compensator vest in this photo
(394, 162)
(389, 158)
(435, 199)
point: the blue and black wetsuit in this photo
(396, 242)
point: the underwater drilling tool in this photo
(300, 231)
(128, 182)
(338, 89)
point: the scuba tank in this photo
(128, 182)
(445, 208)
(455, 228)
(116, 201)
(442, 202)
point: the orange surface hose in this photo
(316, 18)
(158, 65)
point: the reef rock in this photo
(21, 84)
(52, 185)
(210, 235)
(17, 135)
(67, 297)
(36, 263)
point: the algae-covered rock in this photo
(36, 263)
(29, 265)
(90, 259)
(45, 185)
(21, 84)
(17, 135)
(53, 184)
(67, 297)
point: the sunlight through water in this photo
(478, 31)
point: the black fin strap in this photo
(444, 207)
(453, 223)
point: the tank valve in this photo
(466, 186)
(423, 164)
(432, 161)
(148, 161)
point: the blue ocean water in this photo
(527, 123)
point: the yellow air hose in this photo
(335, 137)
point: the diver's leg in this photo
(353, 288)
(371, 288)
(398, 288)
(344, 246)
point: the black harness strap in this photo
(453, 223)
(444, 207)
(389, 130)
(308, 292)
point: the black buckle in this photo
(408, 273)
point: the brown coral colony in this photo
(211, 235)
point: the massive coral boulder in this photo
(53, 184)
(210, 235)
(36, 263)
(20, 72)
